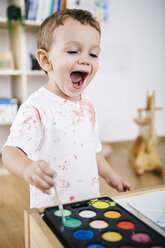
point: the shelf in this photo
(30, 25)
(20, 73)
(35, 73)
(19, 42)
(3, 22)
(10, 73)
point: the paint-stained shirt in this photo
(64, 133)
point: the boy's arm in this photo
(112, 179)
(38, 173)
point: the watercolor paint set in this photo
(100, 223)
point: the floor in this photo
(14, 192)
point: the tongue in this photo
(76, 77)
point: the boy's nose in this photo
(84, 60)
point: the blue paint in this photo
(95, 246)
(83, 234)
(157, 247)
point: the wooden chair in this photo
(144, 154)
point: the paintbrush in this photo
(59, 203)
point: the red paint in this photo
(126, 225)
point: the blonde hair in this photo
(45, 33)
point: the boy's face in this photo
(74, 57)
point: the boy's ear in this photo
(43, 60)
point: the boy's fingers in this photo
(120, 187)
(39, 183)
(126, 186)
(47, 169)
(49, 180)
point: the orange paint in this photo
(112, 214)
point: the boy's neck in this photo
(62, 95)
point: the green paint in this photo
(66, 212)
(72, 222)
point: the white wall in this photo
(132, 61)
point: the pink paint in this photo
(141, 237)
(37, 114)
(72, 198)
(95, 180)
(63, 184)
(75, 156)
(29, 127)
(20, 132)
(28, 119)
(89, 107)
(79, 115)
(63, 167)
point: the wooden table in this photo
(39, 235)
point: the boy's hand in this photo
(41, 175)
(117, 182)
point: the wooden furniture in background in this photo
(144, 154)
(17, 39)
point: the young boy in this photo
(54, 138)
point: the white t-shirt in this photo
(63, 133)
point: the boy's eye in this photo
(72, 52)
(93, 55)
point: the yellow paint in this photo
(112, 236)
(100, 204)
(112, 204)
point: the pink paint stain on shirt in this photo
(95, 180)
(89, 107)
(63, 184)
(27, 119)
(63, 167)
(29, 127)
(79, 115)
(72, 198)
(38, 116)
(75, 156)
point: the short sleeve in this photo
(26, 130)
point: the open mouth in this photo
(78, 78)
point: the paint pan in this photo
(100, 223)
